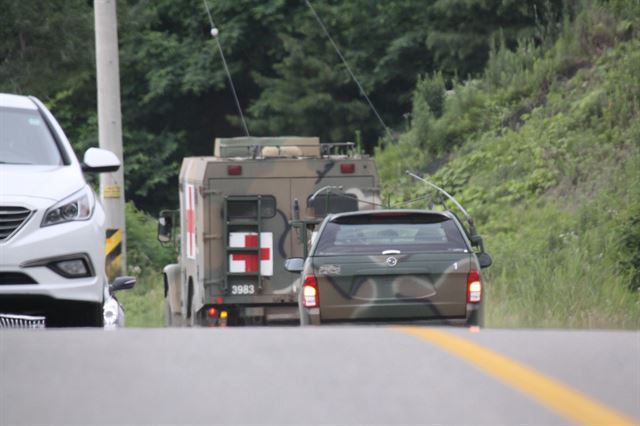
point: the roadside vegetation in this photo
(526, 111)
(544, 151)
(144, 305)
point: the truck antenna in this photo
(450, 197)
(214, 34)
(353, 76)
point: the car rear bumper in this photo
(474, 316)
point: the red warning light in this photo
(347, 168)
(234, 170)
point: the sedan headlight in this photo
(77, 206)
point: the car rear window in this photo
(26, 139)
(375, 233)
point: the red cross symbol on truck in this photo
(251, 260)
(191, 223)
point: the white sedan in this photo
(52, 225)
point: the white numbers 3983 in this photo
(239, 289)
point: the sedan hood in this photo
(47, 182)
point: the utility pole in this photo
(110, 132)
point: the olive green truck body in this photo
(235, 215)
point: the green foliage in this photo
(44, 46)
(462, 31)
(432, 91)
(308, 91)
(144, 304)
(543, 151)
(144, 251)
(175, 94)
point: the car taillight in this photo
(474, 287)
(310, 292)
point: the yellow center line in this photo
(551, 393)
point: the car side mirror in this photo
(165, 226)
(484, 260)
(476, 241)
(294, 264)
(122, 283)
(97, 160)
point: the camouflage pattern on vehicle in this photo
(392, 265)
(236, 211)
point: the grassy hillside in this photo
(544, 151)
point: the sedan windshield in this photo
(26, 139)
(375, 233)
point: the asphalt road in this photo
(320, 376)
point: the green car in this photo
(391, 266)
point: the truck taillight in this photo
(234, 170)
(347, 168)
(310, 292)
(474, 287)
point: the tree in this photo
(312, 93)
(44, 46)
(462, 31)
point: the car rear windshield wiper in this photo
(11, 162)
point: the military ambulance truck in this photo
(236, 214)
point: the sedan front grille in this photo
(21, 321)
(11, 219)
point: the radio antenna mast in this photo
(214, 34)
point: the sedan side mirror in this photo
(97, 160)
(484, 260)
(122, 283)
(294, 264)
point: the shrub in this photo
(144, 251)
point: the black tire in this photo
(476, 319)
(77, 315)
(91, 315)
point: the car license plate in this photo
(243, 289)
